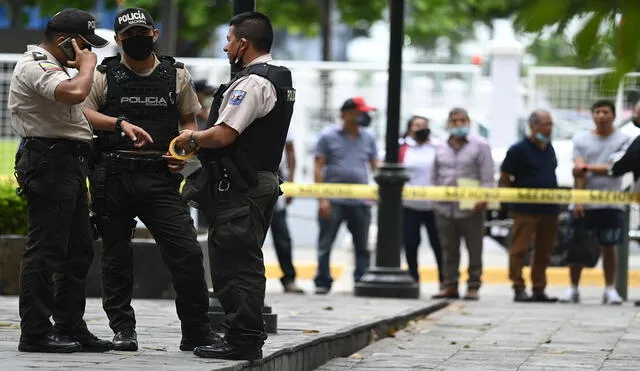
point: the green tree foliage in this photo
(609, 26)
(426, 20)
(13, 209)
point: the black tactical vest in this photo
(263, 140)
(146, 101)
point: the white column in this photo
(506, 98)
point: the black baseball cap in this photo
(76, 21)
(133, 17)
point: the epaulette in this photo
(38, 56)
(171, 60)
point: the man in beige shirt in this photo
(45, 111)
(155, 93)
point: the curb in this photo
(556, 276)
(320, 350)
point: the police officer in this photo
(241, 151)
(45, 111)
(128, 181)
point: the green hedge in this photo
(13, 209)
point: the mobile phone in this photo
(67, 48)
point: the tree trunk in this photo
(15, 7)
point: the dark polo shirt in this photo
(531, 167)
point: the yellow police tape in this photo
(509, 195)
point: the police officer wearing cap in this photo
(155, 93)
(240, 152)
(44, 101)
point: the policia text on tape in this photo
(507, 195)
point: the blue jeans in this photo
(358, 219)
(413, 219)
(282, 243)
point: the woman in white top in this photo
(418, 156)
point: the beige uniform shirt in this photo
(248, 98)
(187, 98)
(34, 109)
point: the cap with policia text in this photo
(132, 17)
(76, 21)
(356, 103)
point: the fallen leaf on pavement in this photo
(328, 308)
(310, 331)
(356, 356)
(453, 343)
(467, 346)
(557, 351)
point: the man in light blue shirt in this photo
(344, 154)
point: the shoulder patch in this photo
(236, 97)
(49, 66)
(39, 56)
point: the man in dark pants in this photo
(126, 181)
(531, 163)
(45, 111)
(344, 154)
(279, 228)
(240, 153)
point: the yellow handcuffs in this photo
(182, 155)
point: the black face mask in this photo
(363, 119)
(138, 47)
(422, 135)
(636, 121)
(237, 64)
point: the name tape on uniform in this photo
(508, 195)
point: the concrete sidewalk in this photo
(496, 334)
(311, 330)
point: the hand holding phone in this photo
(81, 56)
(67, 48)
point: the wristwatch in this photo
(118, 125)
(192, 140)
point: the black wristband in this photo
(118, 125)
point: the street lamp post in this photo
(216, 311)
(386, 279)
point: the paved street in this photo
(496, 334)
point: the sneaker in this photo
(291, 287)
(611, 297)
(571, 296)
(322, 290)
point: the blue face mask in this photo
(458, 131)
(542, 138)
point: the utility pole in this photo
(167, 44)
(386, 278)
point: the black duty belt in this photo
(46, 146)
(132, 163)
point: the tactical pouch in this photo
(198, 188)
